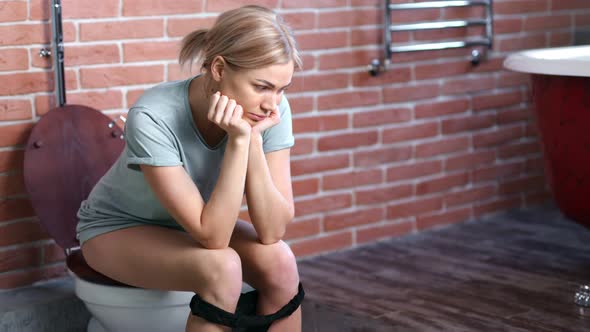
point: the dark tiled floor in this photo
(516, 271)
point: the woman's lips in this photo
(255, 117)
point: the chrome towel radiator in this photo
(378, 65)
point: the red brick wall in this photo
(432, 141)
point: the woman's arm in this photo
(210, 224)
(268, 191)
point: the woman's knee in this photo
(281, 273)
(223, 277)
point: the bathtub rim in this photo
(527, 62)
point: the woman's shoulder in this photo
(165, 94)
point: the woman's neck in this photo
(199, 98)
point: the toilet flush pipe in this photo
(58, 52)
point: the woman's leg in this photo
(272, 270)
(161, 258)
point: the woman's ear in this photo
(218, 67)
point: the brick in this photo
(519, 150)
(92, 54)
(43, 103)
(30, 276)
(177, 73)
(561, 39)
(13, 58)
(302, 228)
(52, 253)
(413, 170)
(321, 40)
(347, 59)
(514, 115)
(106, 77)
(439, 108)
(40, 62)
(368, 118)
(569, 4)
(582, 19)
(362, 3)
(358, 217)
(24, 83)
(349, 18)
(100, 100)
(19, 258)
(320, 123)
(503, 99)
(23, 34)
(534, 165)
(471, 195)
(117, 30)
(526, 7)
(381, 156)
(351, 179)
(348, 100)
(322, 203)
(470, 160)
(397, 74)
(465, 85)
(223, 5)
(440, 34)
(322, 244)
(347, 141)
(316, 82)
(494, 172)
(425, 55)
(150, 51)
(442, 146)
(314, 3)
(442, 184)
(21, 232)
(540, 198)
(15, 109)
(303, 146)
(446, 69)
(89, 9)
(468, 123)
(15, 134)
(366, 36)
(528, 183)
(512, 79)
(496, 205)
(412, 16)
(12, 184)
(11, 160)
(409, 133)
(306, 186)
(301, 20)
(301, 104)
(444, 218)
(415, 207)
(11, 11)
(379, 232)
(179, 27)
(308, 61)
(460, 13)
(548, 22)
(319, 164)
(132, 96)
(507, 25)
(162, 7)
(531, 40)
(409, 93)
(498, 137)
(383, 194)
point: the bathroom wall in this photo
(433, 141)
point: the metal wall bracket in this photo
(377, 65)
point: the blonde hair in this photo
(248, 37)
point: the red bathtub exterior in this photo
(562, 109)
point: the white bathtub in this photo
(564, 61)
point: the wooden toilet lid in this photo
(68, 151)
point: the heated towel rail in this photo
(380, 65)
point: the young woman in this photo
(165, 216)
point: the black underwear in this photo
(245, 318)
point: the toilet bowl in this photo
(68, 151)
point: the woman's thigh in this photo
(158, 258)
(264, 265)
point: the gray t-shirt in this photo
(160, 131)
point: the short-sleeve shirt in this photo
(160, 131)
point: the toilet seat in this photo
(69, 149)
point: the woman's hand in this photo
(227, 114)
(271, 120)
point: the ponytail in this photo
(193, 47)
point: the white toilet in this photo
(68, 151)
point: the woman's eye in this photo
(261, 87)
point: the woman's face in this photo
(259, 91)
